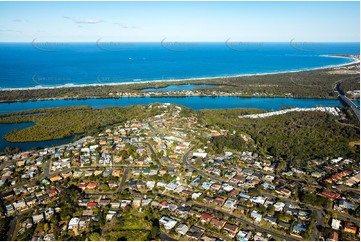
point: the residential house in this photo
(259, 237)
(52, 192)
(9, 210)
(8, 195)
(259, 200)
(154, 203)
(112, 184)
(56, 178)
(219, 201)
(182, 229)
(283, 225)
(244, 196)
(116, 173)
(88, 213)
(163, 204)
(244, 235)
(83, 202)
(269, 186)
(66, 174)
(242, 209)
(230, 204)
(279, 206)
(115, 204)
(91, 185)
(333, 236)
(219, 224)
(335, 224)
(256, 216)
(92, 205)
(110, 215)
(18, 206)
(43, 198)
(349, 228)
(73, 223)
(304, 215)
(299, 228)
(104, 202)
(82, 224)
(146, 202)
(172, 207)
(232, 229)
(271, 220)
(237, 179)
(283, 191)
(343, 204)
(329, 195)
(167, 222)
(82, 185)
(37, 218)
(137, 202)
(195, 232)
(30, 201)
(206, 217)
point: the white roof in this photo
(167, 222)
(74, 222)
(335, 224)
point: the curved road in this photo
(346, 100)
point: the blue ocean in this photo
(42, 64)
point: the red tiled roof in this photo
(53, 191)
(164, 203)
(206, 216)
(82, 185)
(334, 236)
(330, 195)
(92, 185)
(92, 204)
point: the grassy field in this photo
(131, 226)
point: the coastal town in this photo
(180, 120)
(162, 178)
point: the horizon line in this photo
(180, 41)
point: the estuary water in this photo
(194, 102)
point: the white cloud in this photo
(88, 21)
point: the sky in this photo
(180, 21)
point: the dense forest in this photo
(293, 136)
(56, 123)
(305, 84)
(350, 84)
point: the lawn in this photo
(133, 225)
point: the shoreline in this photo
(355, 61)
(167, 96)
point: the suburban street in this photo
(319, 211)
